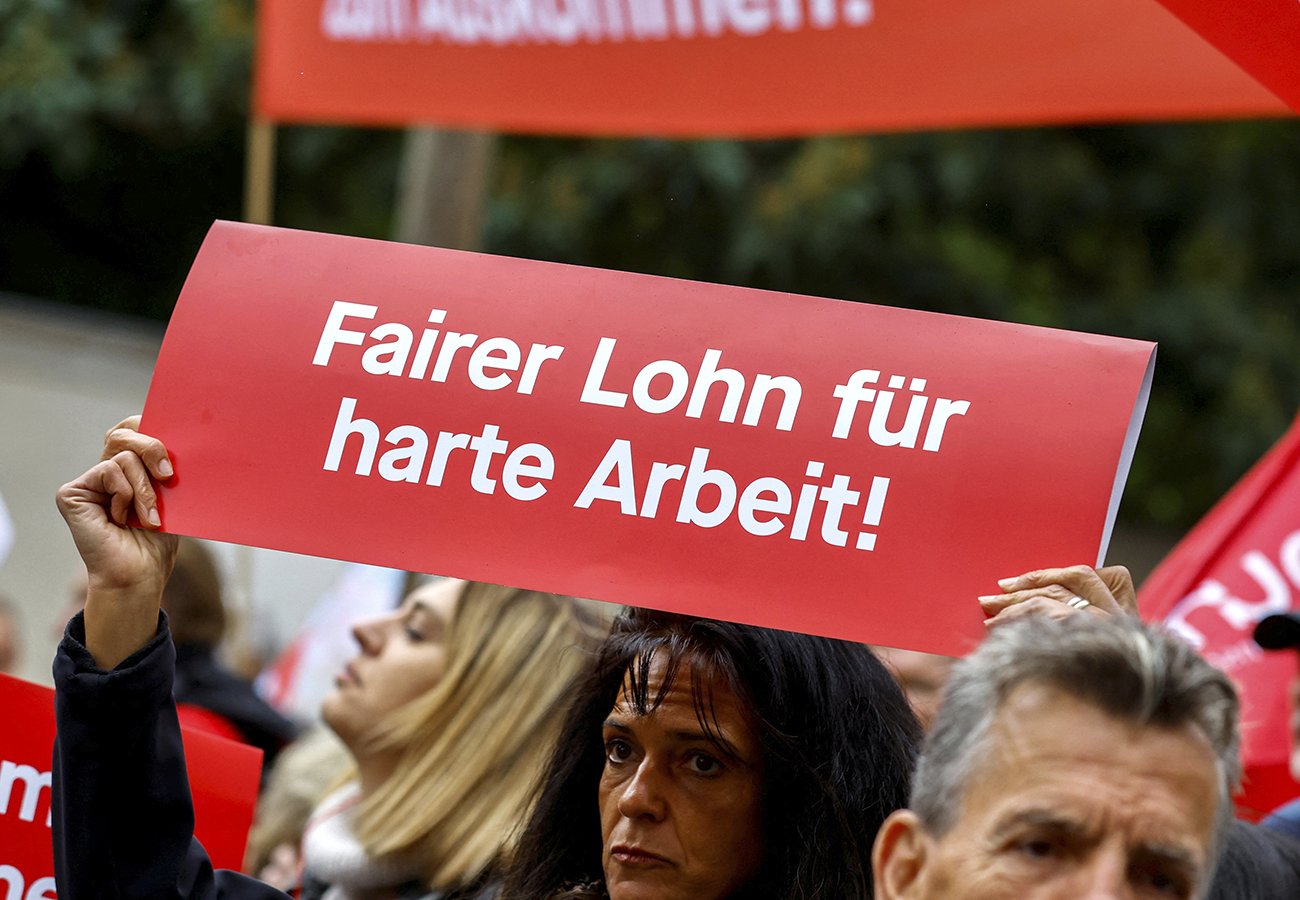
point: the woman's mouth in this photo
(347, 675)
(636, 856)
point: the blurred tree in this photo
(169, 69)
(122, 127)
(120, 140)
(1181, 234)
(122, 137)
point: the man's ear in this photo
(899, 857)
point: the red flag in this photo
(1261, 36)
(747, 68)
(1239, 564)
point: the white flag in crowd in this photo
(6, 532)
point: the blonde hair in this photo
(473, 746)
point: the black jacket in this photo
(123, 821)
(201, 681)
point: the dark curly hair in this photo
(837, 736)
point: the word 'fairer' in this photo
(391, 348)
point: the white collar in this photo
(332, 853)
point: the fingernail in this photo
(1005, 583)
(165, 468)
(153, 518)
(989, 598)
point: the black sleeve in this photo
(123, 820)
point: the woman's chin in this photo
(333, 713)
(639, 885)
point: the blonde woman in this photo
(448, 711)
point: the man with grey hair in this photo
(1072, 758)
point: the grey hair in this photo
(1131, 671)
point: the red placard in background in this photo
(748, 68)
(745, 507)
(1239, 564)
(223, 782)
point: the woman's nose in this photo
(643, 796)
(369, 635)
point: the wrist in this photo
(118, 623)
(108, 591)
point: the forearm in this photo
(122, 815)
(123, 820)
(119, 621)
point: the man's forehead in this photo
(1050, 751)
(1019, 726)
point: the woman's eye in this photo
(703, 764)
(618, 751)
(414, 634)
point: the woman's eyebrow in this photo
(686, 736)
(420, 608)
(718, 739)
(690, 736)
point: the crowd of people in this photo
(502, 744)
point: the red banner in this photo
(1241, 563)
(223, 782)
(1261, 36)
(755, 68)
(806, 464)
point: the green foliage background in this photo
(122, 138)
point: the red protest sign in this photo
(739, 67)
(1239, 564)
(806, 464)
(223, 782)
(1261, 36)
(224, 778)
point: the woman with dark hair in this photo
(704, 760)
